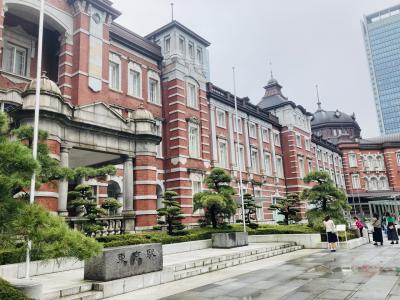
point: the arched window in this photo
(383, 183)
(134, 80)
(373, 184)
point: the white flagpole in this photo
(36, 123)
(238, 150)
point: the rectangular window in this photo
(265, 135)
(223, 153)
(267, 163)
(196, 187)
(301, 167)
(199, 56)
(352, 160)
(114, 76)
(355, 179)
(134, 86)
(153, 91)
(167, 44)
(15, 59)
(182, 45)
(239, 121)
(319, 154)
(254, 160)
(331, 159)
(242, 161)
(192, 95)
(307, 144)
(325, 157)
(194, 140)
(191, 49)
(398, 158)
(252, 130)
(279, 167)
(221, 118)
(298, 141)
(310, 167)
(277, 139)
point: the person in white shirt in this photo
(331, 233)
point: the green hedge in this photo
(7, 291)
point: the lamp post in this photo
(36, 124)
(238, 151)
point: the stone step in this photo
(221, 258)
(230, 262)
(68, 291)
(92, 295)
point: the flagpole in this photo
(36, 124)
(238, 150)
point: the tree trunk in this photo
(169, 226)
(213, 219)
(286, 218)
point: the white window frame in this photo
(14, 49)
(307, 144)
(279, 167)
(191, 49)
(223, 153)
(182, 47)
(197, 180)
(252, 130)
(302, 172)
(277, 139)
(319, 154)
(194, 152)
(221, 122)
(298, 140)
(355, 181)
(241, 152)
(353, 160)
(152, 75)
(398, 158)
(132, 69)
(115, 60)
(167, 44)
(268, 163)
(240, 122)
(265, 135)
(310, 166)
(199, 55)
(254, 159)
(191, 95)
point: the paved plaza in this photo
(367, 272)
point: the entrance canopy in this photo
(382, 206)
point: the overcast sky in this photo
(308, 42)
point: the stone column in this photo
(213, 129)
(63, 183)
(128, 185)
(232, 140)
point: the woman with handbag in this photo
(377, 233)
(392, 233)
(331, 233)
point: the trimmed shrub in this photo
(7, 291)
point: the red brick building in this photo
(145, 104)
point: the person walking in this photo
(391, 230)
(331, 233)
(359, 225)
(377, 233)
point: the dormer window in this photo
(191, 49)
(199, 56)
(167, 44)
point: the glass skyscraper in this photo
(382, 42)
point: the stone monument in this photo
(229, 239)
(126, 261)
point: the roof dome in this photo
(322, 117)
(142, 114)
(46, 86)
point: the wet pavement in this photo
(367, 272)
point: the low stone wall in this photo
(229, 240)
(40, 267)
(186, 246)
(308, 241)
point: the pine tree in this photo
(250, 208)
(288, 207)
(171, 214)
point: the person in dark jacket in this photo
(377, 234)
(391, 231)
